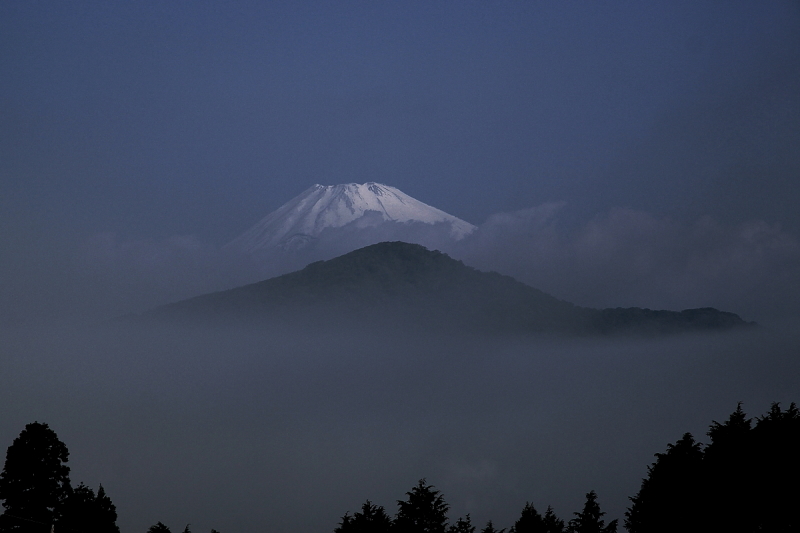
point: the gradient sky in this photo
(151, 119)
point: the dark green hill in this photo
(407, 284)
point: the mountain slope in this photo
(398, 284)
(301, 221)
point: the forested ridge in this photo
(744, 480)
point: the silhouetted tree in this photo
(85, 512)
(491, 529)
(670, 497)
(462, 525)
(530, 521)
(589, 520)
(744, 481)
(732, 431)
(371, 519)
(106, 510)
(729, 473)
(552, 523)
(158, 528)
(425, 511)
(776, 452)
(34, 481)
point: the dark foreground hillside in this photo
(401, 284)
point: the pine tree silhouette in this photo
(776, 452)
(589, 520)
(491, 529)
(729, 476)
(530, 521)
(85, 512)
(552, 523)
(425, 511)
(158, 528)
(744, 481)
(462, 525)
(371, 519)
(34, 481)
(670, 498)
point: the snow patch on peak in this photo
(323, 207)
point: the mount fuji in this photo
(335, 219)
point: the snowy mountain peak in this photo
(301, 220)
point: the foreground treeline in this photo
(426, 511)
(746, 480)
(38, 496)
(37, 493)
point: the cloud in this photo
(627, 257)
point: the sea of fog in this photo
(286, 430)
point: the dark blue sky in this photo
(151, 119)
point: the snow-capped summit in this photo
(351, 206)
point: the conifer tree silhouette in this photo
(85, 512)
(745, 480)
(34, 481)
(729, 475)
(425, 511)
(158, 528)
(371, 519)
(530, 521)
(491, 529)
(552, 523)
(106, 511)
(670, 497)
(776, 452)
(589, 520)
(462, 525)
